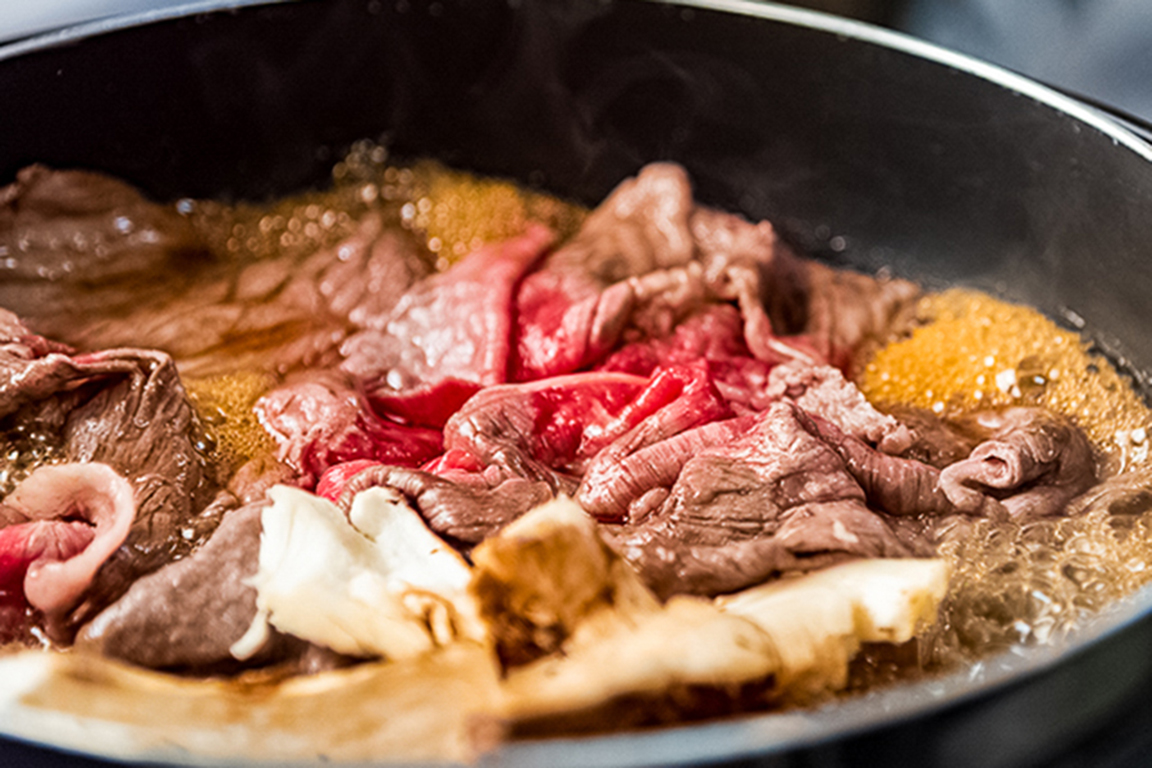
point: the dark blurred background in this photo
(1101, 49)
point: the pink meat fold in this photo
(74, 517)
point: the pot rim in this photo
(764, 9)
(764, 733)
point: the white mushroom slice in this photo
(583, 638)
(818, 621)
(424, 711)
(549, 582)
(397, 594)
(690, 643)
(422, 567)
(546, 574)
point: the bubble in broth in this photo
(1026, 583)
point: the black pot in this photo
(865, 147)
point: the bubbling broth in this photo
(545, 438)
(1026, 582)
(966, 350)
(1012, 583)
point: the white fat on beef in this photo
(377, 583)
(76, 516)
(822, 390)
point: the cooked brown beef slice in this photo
(188, 614)
(33, 368)
(1127, 495)
(125, 408)
(896, 485)
(465, 508)
(290, 312)
(839, 310)
(740, 261)
(143, 426)
(776, 499)
(1034, 461)
(76, 242)
(652, 455)
(934, 441)
(1031, 463)
(620, 480)
(85, 252)
(447, 337)
(277, 314)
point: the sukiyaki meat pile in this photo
(316, 438)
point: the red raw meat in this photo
(448, 337)
(331, 484)
(24, 544)
(322, 421)
(537, 429)
(571, 312)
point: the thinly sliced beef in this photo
(837, 311)
(448, 337)
(125, 409)
(676, 398)
(187, 615)
(776, 499)
(823, 391)
(320, 420)
(934, 441)
(644, 260)
(85, 253)
(464, 508)
(537, 429)
(715, 335)
(1031, 463)
(632, 475)
(277, 314)
(571, 312)
(1034, 462)
(623, 484)
(899, 486)
(77, 244)
(648, 257)
(33, 368)
(742, 262)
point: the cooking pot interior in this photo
(862, 153)
(866, 149)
